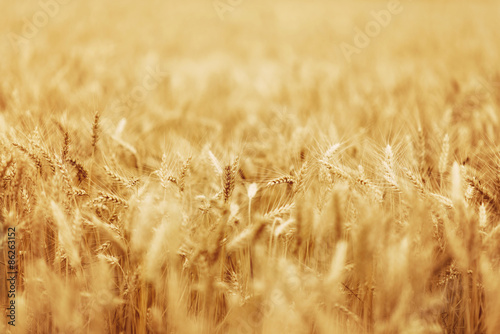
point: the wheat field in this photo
(250, 167)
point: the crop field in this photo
(237, 166)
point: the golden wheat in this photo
(254, 167)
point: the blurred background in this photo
(219, 70)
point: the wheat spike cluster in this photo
(226, 167)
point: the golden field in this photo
(250, 167)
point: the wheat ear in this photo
(229, 178)
(443, 158)
(95, 131)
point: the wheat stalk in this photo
(45, 154)
(245, 238)
(81, 172)
(443, 158)
(183, 173)
(229, 178)
(416, 181)
(109, 198)
(36, 160)
(120, 179)
(364, 181)
(300, 180)
(95, 132)
(421, 149)
(279, 211)
(280, 180)
(336, 172)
